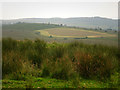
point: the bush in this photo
(8, 44)
(38, 53)
(63, 69)
(114, 81)
(26, 58)
(24, 46)
(18, 76)
(12, 62)
(90, 66)
(57, 52)
(46, 68)
(60, 68)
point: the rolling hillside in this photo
(53, 32)
(85, 22)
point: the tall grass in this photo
(61, 61)
(62, 68)
(11, 63)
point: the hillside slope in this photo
(86, 22)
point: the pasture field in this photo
(62, 34)
(72, 32)
(21, 31)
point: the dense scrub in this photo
(22, 59)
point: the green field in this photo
(23, 31)
(52, 32)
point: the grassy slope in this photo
(27, 31)
(24, 30)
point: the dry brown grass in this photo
(72, 32)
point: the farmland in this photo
(72, 32)
(23, 31)
(62, 34)
(38, 55)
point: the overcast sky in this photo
(12, 10)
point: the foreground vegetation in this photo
(52, 83)
(38, 64)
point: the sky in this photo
(62, 9)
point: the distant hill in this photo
(85, 22)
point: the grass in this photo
(21, 31)
(72, 32)
(42, 32)
(75, 62)
(52, 83)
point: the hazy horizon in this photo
(59, 17)
(20, 10)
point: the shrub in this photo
(25, 45)
(38, 52)
(62, 69)
(45, 72)
(27, 71)
(90, 66)
(58, 51)
(46, 67)
(12, 62)
(26, 58)
(8, 44)
(18, 76)
(114, 81)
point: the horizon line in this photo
(60, 17)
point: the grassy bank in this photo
(73, 63)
